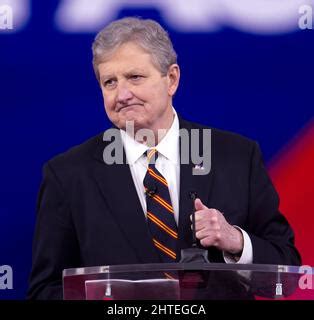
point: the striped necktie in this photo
(160, 213)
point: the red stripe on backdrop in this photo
(292, 172)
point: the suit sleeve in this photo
(55, 245)
(271, 235)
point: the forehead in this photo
(126, 58)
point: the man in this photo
(93, 213)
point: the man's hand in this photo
(212, 229)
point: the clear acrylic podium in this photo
(188, 281)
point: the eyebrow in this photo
(135, 70)
(106, 77)
(128, 73)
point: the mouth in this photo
(129, 105)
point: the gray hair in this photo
(147, 33)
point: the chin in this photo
(121, 124)
(139, 122)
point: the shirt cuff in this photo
(247, 252)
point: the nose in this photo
(124, 93)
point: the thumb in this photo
(199, 204)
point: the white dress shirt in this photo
(168, 164)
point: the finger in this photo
(198, 204)
(205, 215)
(199, 225)
(209, 241)
(202, 233)
(202, 215)
(208, 223)
(206, 239)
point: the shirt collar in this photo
(168, 146)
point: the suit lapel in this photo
(200, 184)
(117, 187)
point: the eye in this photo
(110, 83)
(136, 77)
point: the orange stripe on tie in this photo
(162, 202)
(168, 276)
(164, 249)
(158, 177)
(150, 154)
(162, 225)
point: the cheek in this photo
(151, 96)
(108, 101)
(160, 91)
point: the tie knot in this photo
(152, 155)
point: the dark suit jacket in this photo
(89, 213)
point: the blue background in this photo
(258, 86)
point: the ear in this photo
(173, 76)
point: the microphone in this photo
(151, 190)
(194, 254)
(193, 196)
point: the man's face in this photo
(134, 89)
